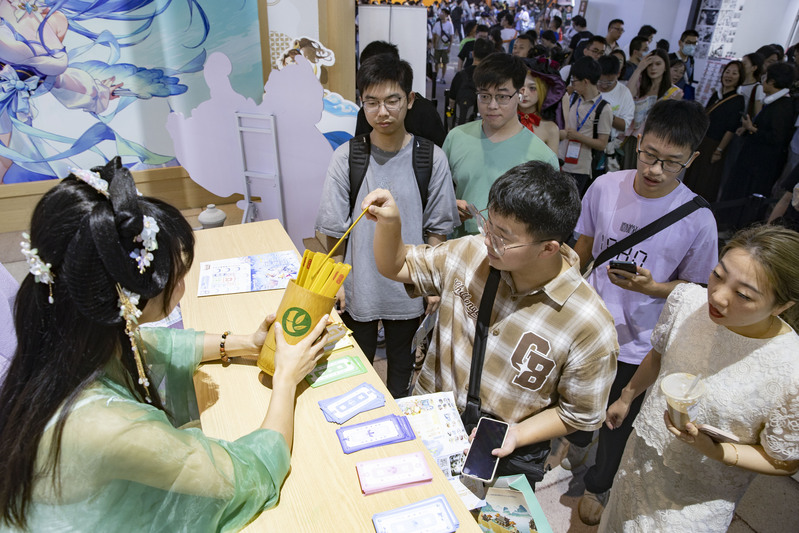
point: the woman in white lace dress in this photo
(739, 335)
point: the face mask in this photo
(688, 49)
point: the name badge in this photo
(573, 152)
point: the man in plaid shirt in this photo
(551, 351)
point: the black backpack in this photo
(360, 151)
(598, 157)
(466, 98)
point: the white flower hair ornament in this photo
(93, 179)
(40, 270)
(143, 255)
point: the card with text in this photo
(334, 370)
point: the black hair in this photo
(596, 39)
(735, 63)
(782, 75)
(637, 43)
(375, 48)
(689, 33)
(63, 346)
(469, 26)
(508, 18)
(532, 34)
(385, 68)
(526, 37)
(647, 31)
(780, 51)
(482, 27)
(614, 21)
(663, 44)
(579, 20)
(609, 65)
(558, 21)
(586, 68)
(550, 36)
(665, 80)
(542, 198)
(483, 48)
(498, 68)
(757, 62)
(678, 122)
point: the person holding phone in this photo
(616, 205)
(551, 350)
(739, 335)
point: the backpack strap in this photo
(360, 151)
(597, 113)
(423, 165)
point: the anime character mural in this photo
(70, 51)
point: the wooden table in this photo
(321, 492)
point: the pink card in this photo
(392, 473)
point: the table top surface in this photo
(321, 492)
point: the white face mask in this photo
(688, 49)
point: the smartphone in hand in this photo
(480, 464)
(718, 435)
(627, 266)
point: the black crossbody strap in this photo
(650, 229)
(479, 349)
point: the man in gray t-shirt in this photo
(385, 85)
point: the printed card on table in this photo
(248, 274)
(334, 370)
(362, 398)
(433, 515)
(378, 432)
(396, 472)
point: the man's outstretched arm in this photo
(389, 249)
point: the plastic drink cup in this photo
(681, 405)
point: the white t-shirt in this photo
(621, 102)
(686, 250)
(448, 32)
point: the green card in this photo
(334, 370)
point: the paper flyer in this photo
(248, 274)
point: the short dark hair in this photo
(663, 44)
(527, 37)
(689, 33)
(375, 48)
(558, 21)
(596, 39)
(498, 68)
(614, 21)
(542, 198)
(385, 68)
(579, 20)
(483, 48)
(469, 26)
(637, 43)
(768, 50)
(741, 75)
(533, 34)
(482, 27)
(678, 122)
(609, 65)
(586, 68)
(647, 31)
(782, 75)
(549, 35)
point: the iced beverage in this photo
(682, 406)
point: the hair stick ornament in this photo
(128, 302)
(40, 270)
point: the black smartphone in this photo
(627, 266)
(480, 464)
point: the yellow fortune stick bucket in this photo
(298, 313)
(306, 300)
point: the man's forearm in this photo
(543, 426)
(389, 249)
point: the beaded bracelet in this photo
(222, 353)
(734, 447)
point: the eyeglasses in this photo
(501, 99)
(672, 167)
(595, 51)
(391, 104)
(618, 29)
(497, 243)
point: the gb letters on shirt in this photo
(530, 360)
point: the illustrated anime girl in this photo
(34, 61)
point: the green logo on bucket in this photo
(296, 322)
